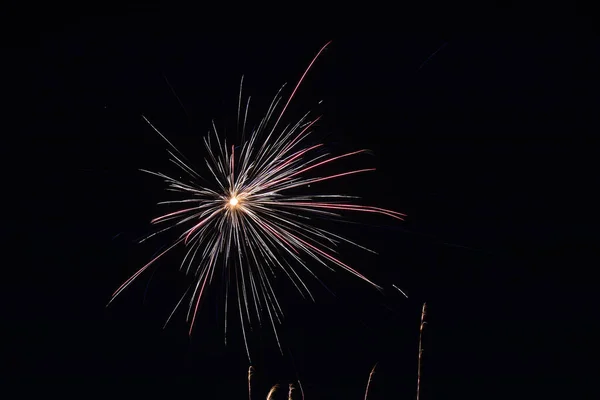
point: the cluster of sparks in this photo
(247, 225)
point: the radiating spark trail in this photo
(400, 290)
(244, 217)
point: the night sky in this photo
(473, 136)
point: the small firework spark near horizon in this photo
(247, 225)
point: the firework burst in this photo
(242, 220)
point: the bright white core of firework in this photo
(233, 201)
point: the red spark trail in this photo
(299, 82)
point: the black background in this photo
(484, 140)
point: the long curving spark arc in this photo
(243, 223)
